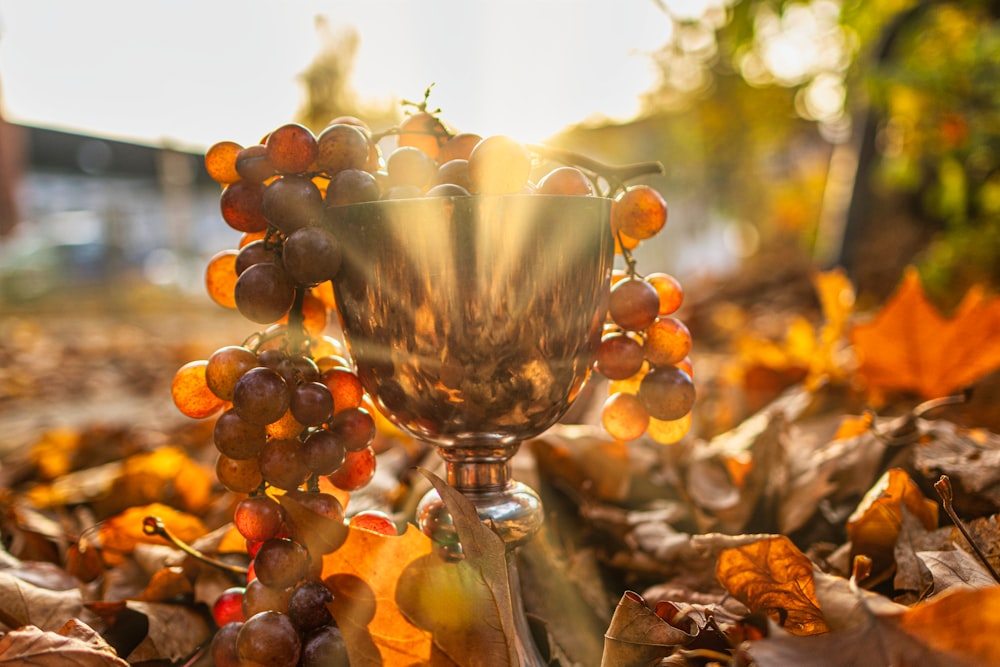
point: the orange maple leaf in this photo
(363, 574)
(911, 346)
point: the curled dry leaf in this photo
(637, 636)
(875, 525)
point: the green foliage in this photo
(940, 96)
(754, 117)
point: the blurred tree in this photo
(327, 83)
(11, 157)
(864, 132)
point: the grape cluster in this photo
(644, 349)
(289, 421)
(292, 415)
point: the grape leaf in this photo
(75, 644)
(911, 346)
(477, 627)
(773, 576)
(363, 575)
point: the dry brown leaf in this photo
(175, 631)
(970, 459)
(167, 584)
(74, 644)
(951, 631)
(637, 636)
(874, 526)
(774, 577)
(22, 603)
(911, 346)
(955, 567)
(363, 574)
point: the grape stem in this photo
(296, 319)
(947, 495)
(616, 176)
(153, 525)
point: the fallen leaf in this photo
(166, 475)
(120, 534)
(637, 636)
(367, 567)
(873, 642)
(154, 630)
(774, 577)
(478, 627)
(875, 524)
(970, 459)
(167, 584)
(175, 631)
(22, 603)
(75, 644)
(911, 346)
(962, 623)
(869, 629)
(808, 352)
(845, 605)
(955, 568)
(911, 571)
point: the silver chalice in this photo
(473, 323)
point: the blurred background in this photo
(795, 135)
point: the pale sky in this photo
(197, 72)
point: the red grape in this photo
(270, 639)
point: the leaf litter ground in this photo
(798, 523)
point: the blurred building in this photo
(79, 210)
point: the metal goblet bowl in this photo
(473, 323)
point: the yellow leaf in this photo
(120, 534)
(365, 570)
(911, 346)
(811, 350)
(836, 298)
(162, 473)
(875, 524)
(772, 576)
(54, 451)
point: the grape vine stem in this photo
(615, 175)
(153, 525)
